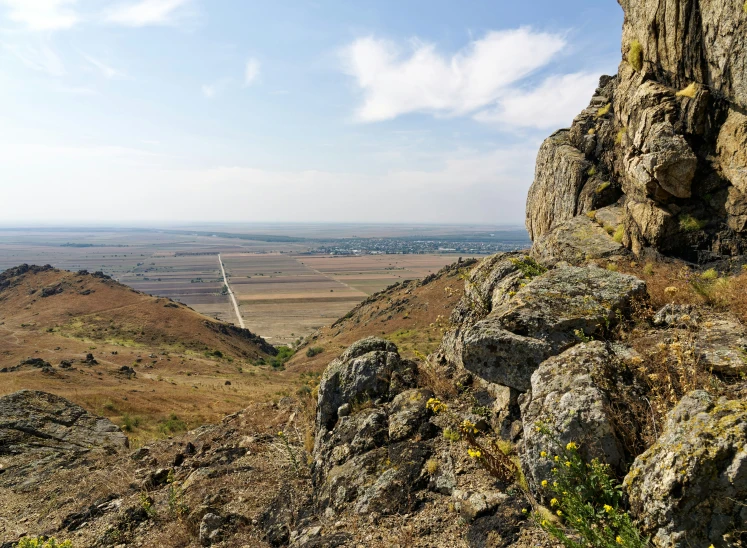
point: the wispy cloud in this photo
(552, 104)
(210, 91)
(147, 12)
(103, 68)
(77, 90)
(42, 15)
(42, 58)
(251, 72)
(426, 81)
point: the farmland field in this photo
(285, 287)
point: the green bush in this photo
(635, 55)
(130, 423)
(43, 542)
(172, 425)
(285, 353)
(529, 267)
(587, 501)
(314, 351)
(688, 223)
(619, 234)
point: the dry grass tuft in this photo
(635, 55)
(689, 91)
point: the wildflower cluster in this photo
(435, 405)
(587, 500)
(43, 542)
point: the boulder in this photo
(40, 431)
(575, 241)
(688, 489)
(721, 345)
(567, 398)
(560, 174)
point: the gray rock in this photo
(566, 398)
(480, 504)
(688, 488)
(407, 413)
(39, 431)
(575, 241)
(676, 315)
(210, 529)
(721, 345)
(363, 373)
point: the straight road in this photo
(230, 293)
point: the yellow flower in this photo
(568, 463)
(544, 483)
(524, 510)
(474, 453)
(571, 446)
(468, 427)
(543, 454)
(537, 429)
(554, 502)
(557, 458)
(608, 508)
(280, 433)
(619, 539)
(554, 470)
(559, 513)
(544, 523)
(435, 405)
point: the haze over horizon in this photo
(179, 111)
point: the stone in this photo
(407, 413)
(559, 176)
(575, 241)
(721, 345)
(210, 529)
(688, 488)
(731, 147)
(567, 399)
(676, 315)
(480, 504)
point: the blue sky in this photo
(234, 110)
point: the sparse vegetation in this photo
(43, 542)
(689, 91)
(586, 500)
(601, 111)
(620, 134)
(602, 187)
(172, 425)
(592, 171)
(635, 55)
(619, 234)
(688, 223)
(314, 351)
(529, 267)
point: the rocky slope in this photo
(663, 142)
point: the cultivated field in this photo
(283, 292)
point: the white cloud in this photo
(42, 58)
(212, 90)
(553, 104)
(251, 72)
(426, 81)
(102, 67)
(42, 14)
(147, 12)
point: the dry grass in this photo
(635, 55)
(689, 91)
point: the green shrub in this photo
(635, 55)
(688, 223)
(619, 233)
(172, 425)
(451, 435)
(43, 542)
(285, 353)
(601, 111)
(529, 267)
(602, 187)
(709, 274)
(130, 423)
(314, 351)
(587, 500)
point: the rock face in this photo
(568, 400)
(512, 322)
(39, 431)
(689, 487)
(666, 137)
(366, 457)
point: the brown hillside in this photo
(412, 314)
(152, 357)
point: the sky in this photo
(160, 111)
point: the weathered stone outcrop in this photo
(536, 318)
(576, 241)
(567, 399)
(667, 135)
(365, 455)
(40, 432)
(689, 488)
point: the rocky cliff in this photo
(665, 140)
